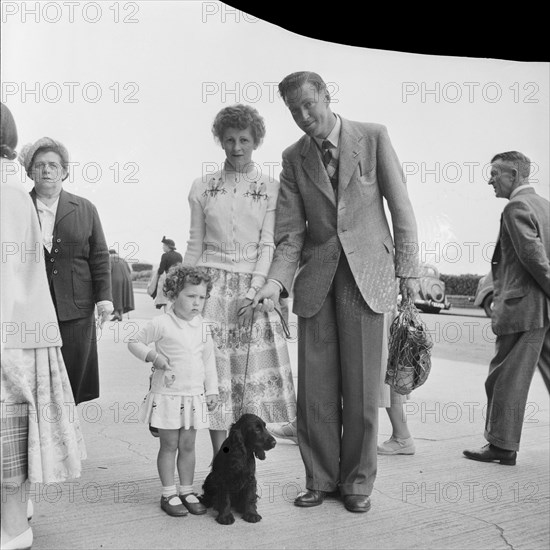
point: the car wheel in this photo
(488, 305)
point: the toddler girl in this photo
(184, 371)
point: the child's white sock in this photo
(188, 490)
(168, 491)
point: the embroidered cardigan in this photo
(232, 223)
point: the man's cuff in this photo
(106, 303)
(278, 283)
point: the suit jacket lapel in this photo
(66, 205)
(64, 208)
(349, 154)
(313, 166)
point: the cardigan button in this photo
(56, 250)
(52, 260)
(58, 240)
(55, 271)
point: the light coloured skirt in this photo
(268, 390)
(40, 430)
(172, 412)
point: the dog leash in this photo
(286, 332)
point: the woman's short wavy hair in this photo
(179, 275)
(241, 117)
(8, 134)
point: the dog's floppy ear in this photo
(234, 444)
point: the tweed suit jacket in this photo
(313, 228)
(521, 265)
(78, 265)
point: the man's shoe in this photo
(490, 453)
(193, 504)
(172, 506)
(310, 498)
(284, 431)
(396, 446)
(357, 503)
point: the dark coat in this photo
(78, 265)
(79, 275)
(167, 260)
(121, 281)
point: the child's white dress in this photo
(176, 398)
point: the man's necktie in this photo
(327, 153)
(331, 164)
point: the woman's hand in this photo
(211, 402)
(104, 309)
(246, 312)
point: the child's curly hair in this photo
(178, 275)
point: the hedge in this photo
(460, 285)
(142, 275)
(137, 267)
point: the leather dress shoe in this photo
(357, 503)
(310, 498)
(490, 453)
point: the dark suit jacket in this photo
(78, 265)
(312, 229)
(521, 265)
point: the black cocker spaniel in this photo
(232, 481)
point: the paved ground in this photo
(434, 499)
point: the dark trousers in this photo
(510, 373)
(339, 359)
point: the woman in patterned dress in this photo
(231, 234)
(40, 436)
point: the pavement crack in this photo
(129, 444)
(499, 529)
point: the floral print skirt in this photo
(40, 430)
(254, 372)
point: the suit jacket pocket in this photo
(82, 292)
(368, 178)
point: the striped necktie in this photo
(331, 163)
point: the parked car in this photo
(484, 294)
(431, 297)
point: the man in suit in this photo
(77, 262)
(331, 225)
(521, 314)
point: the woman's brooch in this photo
(256, 191)
(215, 186)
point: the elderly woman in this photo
(40, 435)
(231, 234)
(77, 262)
(122, 286)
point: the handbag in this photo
(152, 286)
(409, 357)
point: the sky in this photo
(132, 88)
